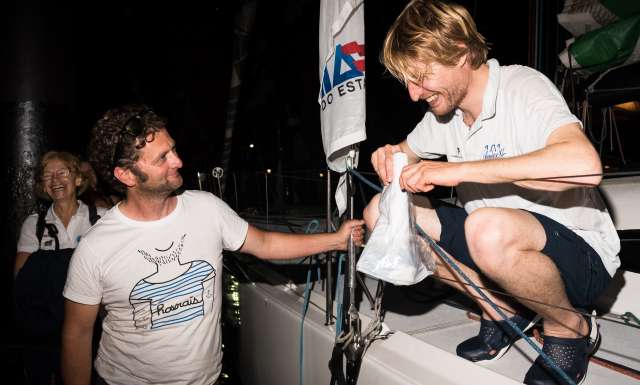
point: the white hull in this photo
(270, 348)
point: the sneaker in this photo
(570, 354)
(494, 339)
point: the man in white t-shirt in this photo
(155, 262)
(533, 222)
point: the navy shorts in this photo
(581, 268)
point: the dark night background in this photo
(74, 61)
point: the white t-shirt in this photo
(160, 284)
(67, 236)
(520, 109)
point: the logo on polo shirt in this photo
(493, 151)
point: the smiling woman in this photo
(46, 242)
(58, 179)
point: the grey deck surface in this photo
(445, 326)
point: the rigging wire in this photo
(505, 294)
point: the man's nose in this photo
(176, 162)
(414, 91)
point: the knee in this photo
(488, 237)
(371, 213)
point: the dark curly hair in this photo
(108, 137)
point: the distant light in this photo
(321, 175)
(629, 106)
(268, 171)
(250, 145)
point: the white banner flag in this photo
(342, 83)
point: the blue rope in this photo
(455, 266)
(305, 307)
(312, 227)
(365, 180)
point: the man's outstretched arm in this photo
(276, 245)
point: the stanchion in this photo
(329, 260)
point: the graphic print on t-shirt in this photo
(176, 292)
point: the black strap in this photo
(40, 225)
(53, 230)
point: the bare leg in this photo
(425, 216)
(506, 245)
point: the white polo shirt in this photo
(520, 109)
(67, 236)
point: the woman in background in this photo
(58, 180)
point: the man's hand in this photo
(382, 161)
(423, 176)
(353, 227)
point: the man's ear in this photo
(125, 176)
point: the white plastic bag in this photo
(394, 252)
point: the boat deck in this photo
(446, 324)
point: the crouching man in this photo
(550, 243)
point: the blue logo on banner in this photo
(352, 79)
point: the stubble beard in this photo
(162, 190)
(452, 100)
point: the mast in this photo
(342, 114)
(242, 30)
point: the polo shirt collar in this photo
(52, 216)
(488, 99)
(491, 92)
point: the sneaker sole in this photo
(504, 350)
(594, 335)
